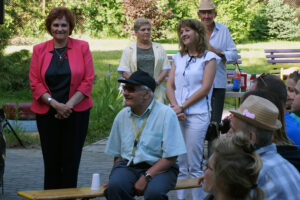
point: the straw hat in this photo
(206, 5)
(259, 112)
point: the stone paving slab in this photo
(24, 170)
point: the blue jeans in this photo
(123, 178)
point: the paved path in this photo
(24, 169)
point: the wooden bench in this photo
(279, 57)
(87, 193)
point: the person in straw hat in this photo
(257, 117)
(221, 43)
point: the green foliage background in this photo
(246, 19)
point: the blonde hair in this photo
(140, 22)
(236, 167)
(201, 37)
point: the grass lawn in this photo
(105, 95)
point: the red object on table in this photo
(243, 82)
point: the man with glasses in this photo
(145, 141)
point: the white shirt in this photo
(222, 40)
(188, 79)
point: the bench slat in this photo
(62, 193)
(232, 62)
(283, 61)
(283, 56)
(70, 193)
(281, 50)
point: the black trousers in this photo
(217, 102)
(217, 105)
(62, 142)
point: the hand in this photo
(181, 116)
(140, 186)
(216, 51)
(177, 109)
(201, 178)
(63, 110)
(105, 184)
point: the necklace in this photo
(60, 55)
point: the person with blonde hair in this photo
(232, 170)
(189, 91)
(146, 56)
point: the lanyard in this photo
(138, 134)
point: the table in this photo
(236, 95)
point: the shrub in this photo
(5, 34)
(107, 103)
(14, 71)
(282, 21)
(181, 9)
(237, 15)
(149, 9)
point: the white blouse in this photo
(188, 79)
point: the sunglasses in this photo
(130, 88)
(261, 78)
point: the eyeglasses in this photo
(205, 167)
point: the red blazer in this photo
(82, 73)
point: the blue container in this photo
(236, 84)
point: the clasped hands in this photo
(179, 112)
(63, 110)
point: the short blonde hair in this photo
(140, 22)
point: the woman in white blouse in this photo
(189, 91)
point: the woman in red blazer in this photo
(61, 78)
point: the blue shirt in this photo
(292, 128)
(161, 137)
(222, 40)
(278, 178)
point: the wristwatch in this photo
(148, 177)
(49, 99)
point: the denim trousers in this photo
(122, 180)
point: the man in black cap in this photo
(145, 141)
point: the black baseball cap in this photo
(140, 78)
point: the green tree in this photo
(282, 22)
(259, 29)
(237, 15)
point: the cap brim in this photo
(207, 8)
(257, 123)
(129, 81)
(201, 9)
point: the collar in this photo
(146, 111)
(50, 44)
(271, 148)
(217, 27)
